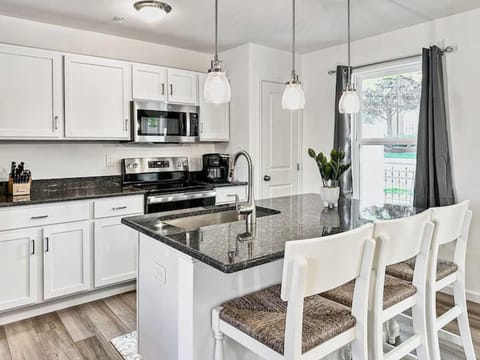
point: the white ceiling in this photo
(320, 23)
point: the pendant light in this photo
(293, 97)
(217, 87)
(349, 102)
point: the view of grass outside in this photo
(388, 131)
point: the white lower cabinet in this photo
(115, 252)
(66, 259)
(19, 268)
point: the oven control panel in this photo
(160, 164)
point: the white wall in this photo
(247, 67)
(463, 77)
(49, 160)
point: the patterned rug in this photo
(126, 345)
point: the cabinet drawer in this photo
(223, 192)
(118, 206)
(35, 215)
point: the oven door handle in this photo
(156, 199)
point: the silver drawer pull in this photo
(33, 247)
(119, 208)
(39, 217)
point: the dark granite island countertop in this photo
(70, 189)
(300, 217)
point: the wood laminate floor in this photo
(78, 333)
(85, 331)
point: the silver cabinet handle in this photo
(33, 247)
(119, 208)
(163, 89)
(171, 89)
(39, 217)
(201, 127)
(56, 122)
(47, 244)
(126, 124)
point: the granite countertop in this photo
(224, 247)
(58, 190)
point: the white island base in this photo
(176, 295)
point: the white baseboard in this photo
(63, 303)
(472, 296)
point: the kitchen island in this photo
(193, 260)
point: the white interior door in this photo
(279, 144)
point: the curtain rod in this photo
(447, 50)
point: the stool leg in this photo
(463, 323)
(219, 350)
(434, 345)
(420, 328)
(393, 331)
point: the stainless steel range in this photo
(166, 183)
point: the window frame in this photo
(357, 139)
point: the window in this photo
(385, 133)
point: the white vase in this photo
(330, 196)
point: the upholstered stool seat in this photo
(404, 270)
(395, 291)
(262, 316)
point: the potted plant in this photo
(330, 172)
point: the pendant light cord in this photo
(216, 30)
(293, 40)
(349, 79)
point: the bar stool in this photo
(291, 321)
(452, 223)
(397, 240)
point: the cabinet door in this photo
(66, 259)
(182, 86)
(31, 93)
(97, 98)
(149, 82)
(18, 268)
(214, 118)
(115, 252)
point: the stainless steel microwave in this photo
(158, 122)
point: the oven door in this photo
(169, 202)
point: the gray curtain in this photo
(433, 179)
(342, 138)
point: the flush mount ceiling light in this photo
(349, 102)
(217, 87)
(293, 97)
(152, 10)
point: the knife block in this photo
(17, 189)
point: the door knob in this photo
(267, 178)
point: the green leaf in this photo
(311, 153)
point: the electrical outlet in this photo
(108, 161)
(160, 273)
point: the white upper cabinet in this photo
(18, 268)
(214, 119)
(31, 93)
(66, 259)
(182, 86)
(97, 98)
(149, 82)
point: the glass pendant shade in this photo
(349, 102)
(293, 97)
(217, 88)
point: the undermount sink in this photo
(223, 216)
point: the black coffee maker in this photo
(216, 167)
